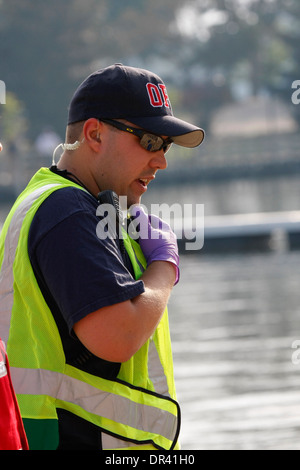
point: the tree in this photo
(48, 47)
(288, 30)
(13, 124)
(233, 41)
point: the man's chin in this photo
(126, 202)
(132, 201)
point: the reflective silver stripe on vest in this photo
(11, 243)
(156, 371)
(105, 404)
(112, 443)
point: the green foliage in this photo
(48, 47)
(12, 119)
(255, 42)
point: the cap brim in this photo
(182, 132)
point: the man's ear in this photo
(92, 133)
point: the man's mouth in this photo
(145, 181)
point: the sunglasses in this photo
(150, 142)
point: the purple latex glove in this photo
(156, 238)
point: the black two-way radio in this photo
(110, 197)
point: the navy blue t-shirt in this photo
(81, 272)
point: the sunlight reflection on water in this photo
(233, 321)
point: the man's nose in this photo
(158, 160)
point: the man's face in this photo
(126, 167)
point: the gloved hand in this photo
(156, 238)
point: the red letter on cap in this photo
(154, 95)
(163, 89)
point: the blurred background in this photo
(230, 66)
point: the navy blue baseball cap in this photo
(134, 94)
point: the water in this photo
(237, 196)
(233, 322)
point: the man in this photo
(85, 315)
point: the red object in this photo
(12, 433)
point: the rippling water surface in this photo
(233, 322)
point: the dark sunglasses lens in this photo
(151, 142)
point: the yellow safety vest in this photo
(136, 410)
